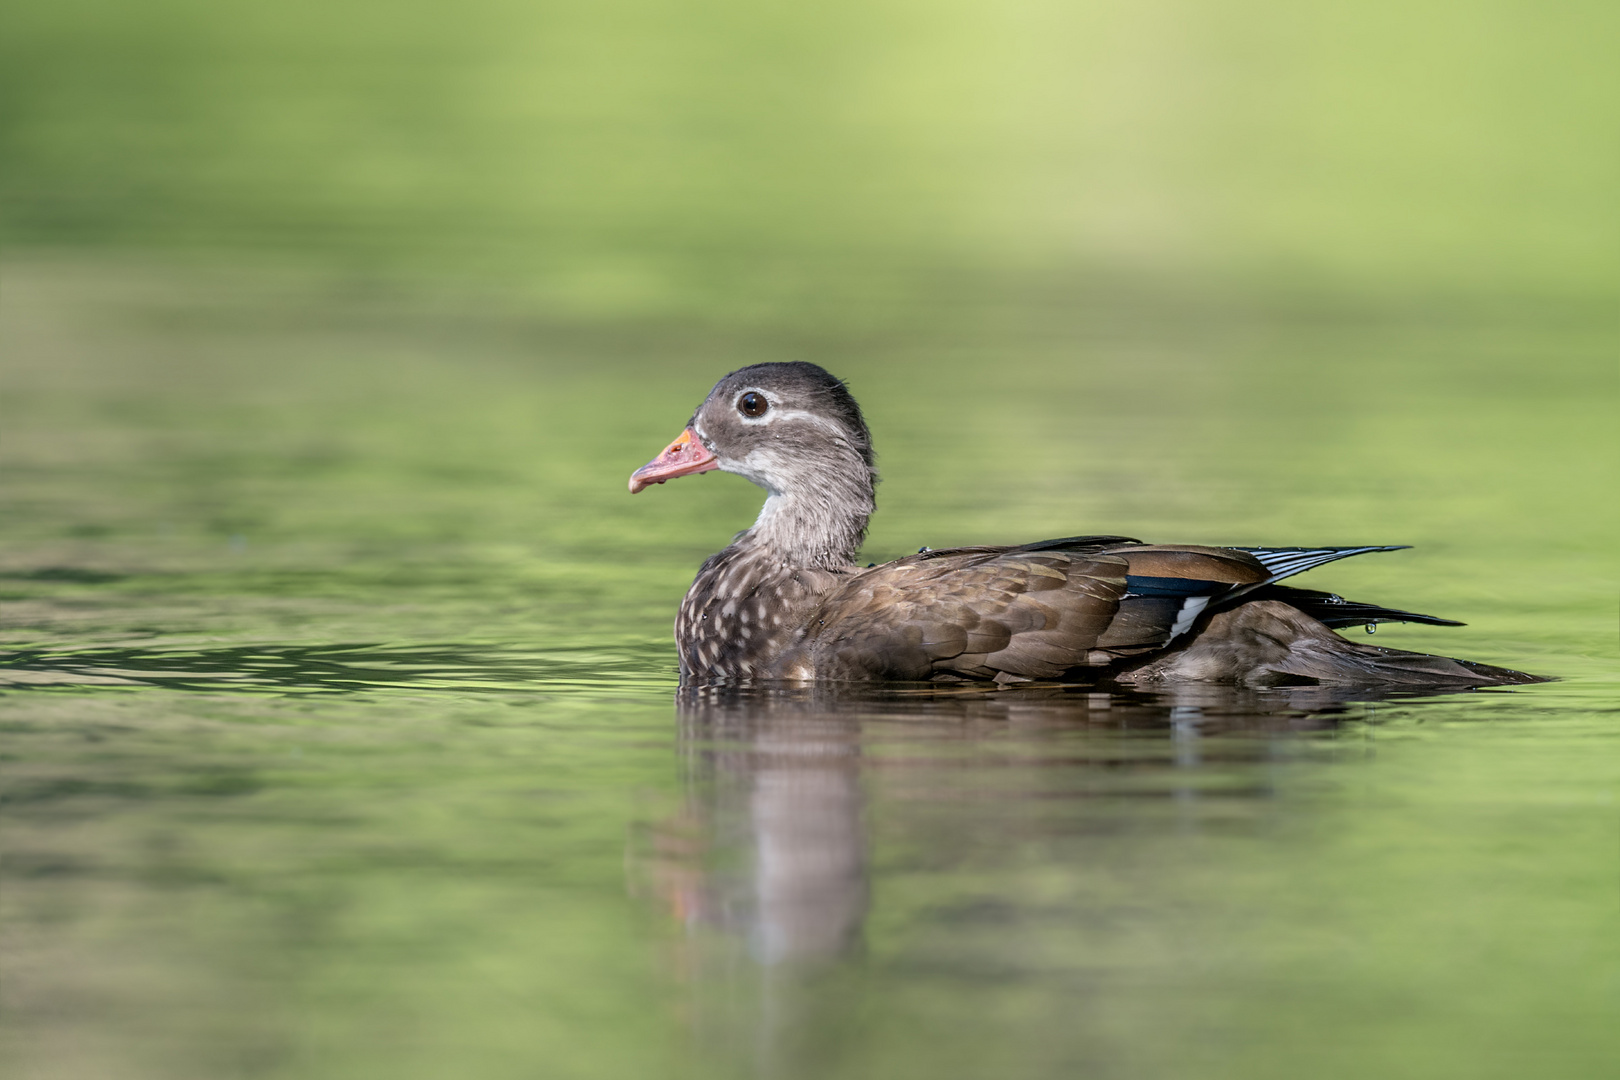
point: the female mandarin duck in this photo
(787, 600)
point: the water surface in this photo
(342, 735)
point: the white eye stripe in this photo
(773, 414)
(810, 417)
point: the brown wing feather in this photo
(1145, 623)
(1190, 561)
(977, 613)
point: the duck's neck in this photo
(820, 528)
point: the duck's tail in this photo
(1283, 638)
(1333, 610)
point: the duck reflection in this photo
(770, 846)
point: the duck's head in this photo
(793, 429)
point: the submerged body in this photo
(786, 600)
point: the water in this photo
(342, 735)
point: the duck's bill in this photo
(683, 457)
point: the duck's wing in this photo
(973, 612)
(1168, 587)
(1036, 611)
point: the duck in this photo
(789, 601)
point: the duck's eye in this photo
(752, 404)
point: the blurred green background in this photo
(751, 161)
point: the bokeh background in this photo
(772, 163)
(338, 676)
(1253, 272)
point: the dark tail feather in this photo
(1400, 670)
(1078, 543)
(1332, 610)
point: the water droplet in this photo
(1372, 628)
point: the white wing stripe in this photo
(1191, 608)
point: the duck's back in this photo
(1032, 612)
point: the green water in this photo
(341, 733)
